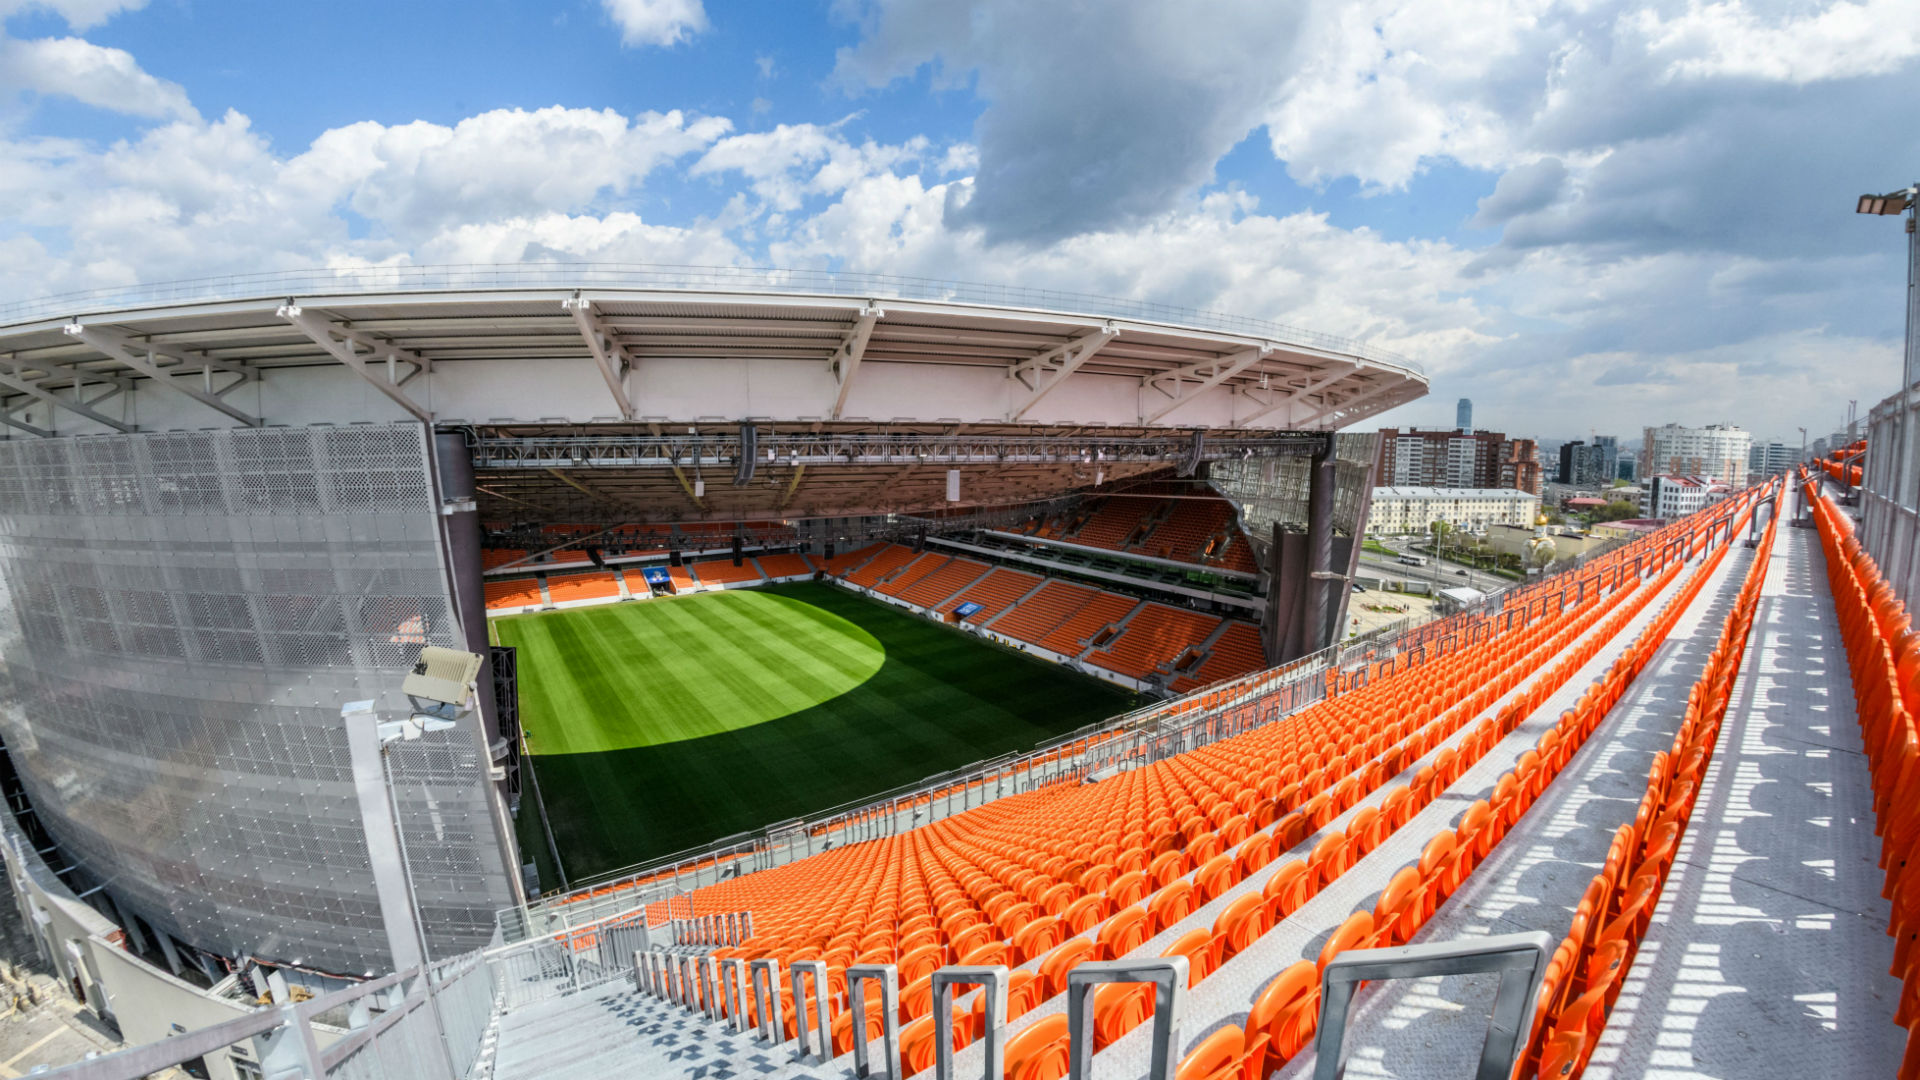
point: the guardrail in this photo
(572, 275)
(422, 1027)
(1890, 493)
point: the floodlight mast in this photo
(1905, 201)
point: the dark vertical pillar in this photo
(460, 531)
(1350, 564)
(1319, 548)
(1273, 628)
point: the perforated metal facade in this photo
(182, 616)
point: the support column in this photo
(1313, 613)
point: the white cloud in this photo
(793, 161)
(79, 14)
(420, 177)
(90, 74)
(1845, 40)
(656, 22)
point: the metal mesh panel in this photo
(182, 616)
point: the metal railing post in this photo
(1169, 978)
(798, 971)
(888, 976)
(992, 981)
(763, 978)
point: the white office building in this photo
(1717, 452)
(1671, 497)
(1770, 459)
(1405, 510)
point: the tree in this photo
(1617, 510)
(1439, 529)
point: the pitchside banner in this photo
(965, 611)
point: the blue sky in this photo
(1582, 215)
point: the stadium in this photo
(856, 674)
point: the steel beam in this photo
(608, 353)
(1210, 374)
(11, 421)
(11, 378)
(846, 359)
(1345, 369)
(1051, 368)
(1352, 400)
(346, 350)
(129, 353)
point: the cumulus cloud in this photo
(421, 177)
(656, 22)
(1089, 122)
(90, 74)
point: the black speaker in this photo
(829, 549)
(920, 541)
(737, 561)
(673, 556)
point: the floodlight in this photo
(1894, 202)
(442, 675)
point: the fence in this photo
(1890, 493)
(585, 957)
(401, 1027)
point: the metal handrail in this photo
(286, 1033)
(665, 277)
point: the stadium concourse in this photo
(1654, 764)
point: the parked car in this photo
(1459, 573)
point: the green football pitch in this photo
(661, 725)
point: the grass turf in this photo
(661, 725)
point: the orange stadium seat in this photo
(994, 593)
(936, 587)
(1034, 617)
(1154, 636)
(723, 572)
(1070, 637)
(783, 566)
(596, 586)
(912, 574)
(890, 558)
(512, 593)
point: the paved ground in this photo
(40, 1023)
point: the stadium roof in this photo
(683, 356)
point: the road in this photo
(1444, 575)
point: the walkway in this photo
(1535, 876)
(1768, 954)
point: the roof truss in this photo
(1206, 375)
(344, 343)
(145, 360)
(1043, 374)
(608, 352)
